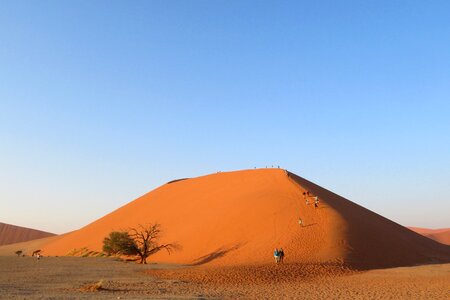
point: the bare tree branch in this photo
(143, 241)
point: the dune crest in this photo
(238, 218)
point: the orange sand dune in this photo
(440, 235)
(10, 234)
(238, 218)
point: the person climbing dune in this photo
(316, 202)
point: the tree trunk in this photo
(143, 259)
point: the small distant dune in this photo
(10, 234)
(28, 247)
(439, 235)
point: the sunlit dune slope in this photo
(10, 234)
(440, 235)
(238, 218)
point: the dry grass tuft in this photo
(93, 287)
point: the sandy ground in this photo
(70, 277)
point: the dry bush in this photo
(93, 287)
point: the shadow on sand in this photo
(371, 240)
(222, 251)
(308, 225)
(176, 180)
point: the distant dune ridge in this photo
(10, 234)
(440, 235)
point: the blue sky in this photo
(102, 101)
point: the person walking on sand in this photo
(38, 256)
(316, 202)
(276, 255)
(281, 254)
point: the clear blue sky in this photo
(102, 101)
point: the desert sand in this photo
(228, 225)
(10, 234)
(439, 235)
(238, 218)
(77, 278)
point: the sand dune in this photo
(440, 235)
(238, 218)
(27, 247)
(10, 234)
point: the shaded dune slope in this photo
(238, 218)
(439, 235)
(10, 234)
(371, 240)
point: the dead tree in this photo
(146, 238)
(141, 241)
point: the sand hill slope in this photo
(238, 218)
(440, 235)
(27, 247)
(10, 234)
